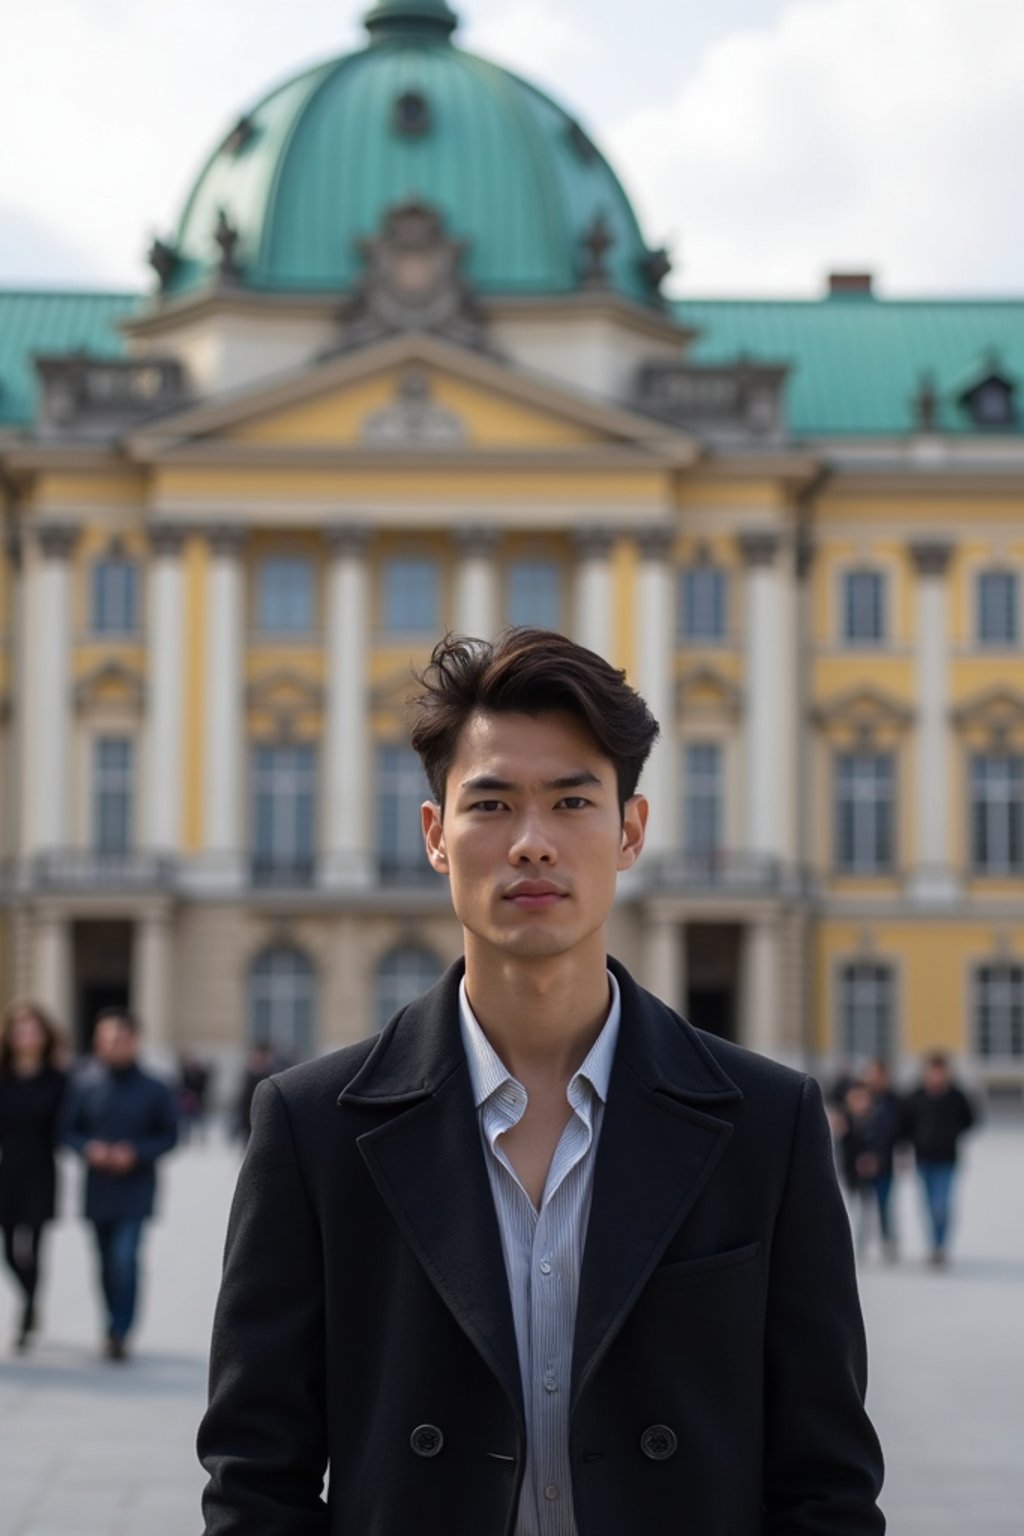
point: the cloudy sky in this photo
(766, 141)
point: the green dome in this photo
(311, 170)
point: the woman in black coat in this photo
(32, 1088)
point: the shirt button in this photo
(551, 1492)
(550, 1384)
(545, 1266)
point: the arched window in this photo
(282, 1000)
(402, 975)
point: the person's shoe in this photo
(26, 1328)
(117, 1348)
(937, 1259)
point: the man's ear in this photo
(634, 825)
(433, 835)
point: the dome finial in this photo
(410, 18)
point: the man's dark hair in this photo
(527, 671)
(122, 1016)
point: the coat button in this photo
(659, 1442)
(426, 1440)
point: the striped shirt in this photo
(543, 1251)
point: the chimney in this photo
(851, 285)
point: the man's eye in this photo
(486, 805)
(574, 802)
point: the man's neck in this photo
(541, 1015)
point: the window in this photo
(997, 608)
(533, 593)
(401, 790)
(863, 607)
(285, 596)
(997, 789)
(401, 976)
(702, 603)
(864, 812)
(113, 784)
(865, 1010)
(999, 1011)
(115, 607)
(412, 596)
(284, 814)
(282, 1000)
(702, 816)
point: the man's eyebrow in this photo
(568, 781)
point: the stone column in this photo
(769, 694)
(477, 605)
(656, 640)
(664, 958)
(152, 999)
(346, 858)
(223, 733)
(932, 878)
(47, 698)
(51, 965)
(166, 626)
(593, 589)
(760, 986)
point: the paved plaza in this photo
(102, 1450)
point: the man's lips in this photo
(534, 895)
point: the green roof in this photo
(856, 363)
(311, 170)
(42, 323)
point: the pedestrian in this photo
(192, 1091)
(121, 1121)
(937, 1115)
(32, 1086)
(885, 1130)
(858, 1159)
(540, 1257)
(259, 1064)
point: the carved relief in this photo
(413, 417)
(110, 688)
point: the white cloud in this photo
(875, 133)
(527, 36)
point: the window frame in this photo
(847, 576)
(286, 629)
(286, 856)
(996, 642)
(989, 868)
(307, 972)
(1013, 971)
(689, 631)
(392, 622)
(125, 620)
(101, 790)
(848, 1041)
(855, 866)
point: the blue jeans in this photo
(118, 1246)
(937, 1184)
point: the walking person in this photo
(32, 1087)
(938, 1113)
(858, 1159)
(886, 1130)
(121, 1121)
(540, 1259)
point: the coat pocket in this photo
(712, 1262)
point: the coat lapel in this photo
(427, 1161)
(659, 1146)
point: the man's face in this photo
(532, 836)
(114, 1043)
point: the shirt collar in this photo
(488, 1072)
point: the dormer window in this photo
(989, 398)
(412, 115)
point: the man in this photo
(540, 1259)
(885, 1130)
(937, 1115)
(120, 1121)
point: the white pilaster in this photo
(593, 589)
(760, 984)
(656, 682)
(664, 958)
(932, 879)
(153, 982)
(768, 695)
(51, 965)
(166, 692)
(223, 744)
(477, 606)
(46, 739)
(346, 859)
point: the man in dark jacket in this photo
(121, 1121)
(540, 1259)
(936, 1116)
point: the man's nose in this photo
(532, 843)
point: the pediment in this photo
(413, 392)
(999, 712)
(705, 690)
(111, 687)
(285, 697)
(863, 712)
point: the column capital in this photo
(225, 538)
(931, 557)
(56, 540)
(167, 539)
(347, 539)
(655, 542)
(594, 541)
(476, 539)
(758, 546)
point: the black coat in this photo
(934, 1123)
(127, 1105)
(364, 1295)
(29, 1114)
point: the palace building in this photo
(407, 366)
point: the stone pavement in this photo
(90, 1449)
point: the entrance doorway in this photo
(712, 973)
(101, 975)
